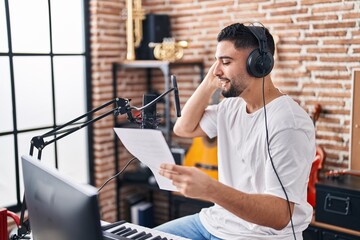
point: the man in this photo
(264, 154)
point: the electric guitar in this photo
(317, 164)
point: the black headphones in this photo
(260, 61)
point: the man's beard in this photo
(232, 92)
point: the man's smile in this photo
(224, 81)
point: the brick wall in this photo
(318, 48)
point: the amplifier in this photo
(338, 202)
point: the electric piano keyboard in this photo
(123, 230)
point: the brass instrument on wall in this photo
(169, 50)
(135, 15)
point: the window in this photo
(44, 82)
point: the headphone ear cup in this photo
(251, 62)
(259, 66)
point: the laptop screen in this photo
(59, 208)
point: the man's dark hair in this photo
(242, 37)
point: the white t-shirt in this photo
(243, 162)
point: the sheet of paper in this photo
(150, 147)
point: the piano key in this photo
(130, 233)
(122, 232)
(146, 236)
(155, 234)
(111, 225)
(135, 236)
(110, 236)
(116, 230)
(156, 238)
(140, 236)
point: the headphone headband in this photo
(259, 33)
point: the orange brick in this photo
(326, 68)
(317, 18)
(356, 50)
(334, 25)
(279, 5)
(244, 8)
(218, 3)
(332, 129)
(314, 2)
(339, 59)
(297, 58)
(288, 50)
(335, 94)
(330, 138)
(327, 50)
(299, 42)
(289, 12)
(333, 8)
(326, 34)
(352, 15)
(342, 41)
(336, 147)
(283, 35)
(322, 85)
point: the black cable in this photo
(271, 160)
(116, 175)
(267, 137)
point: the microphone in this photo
(176, 96)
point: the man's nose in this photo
(217, 70)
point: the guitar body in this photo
(203, 155)
(317, 165)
